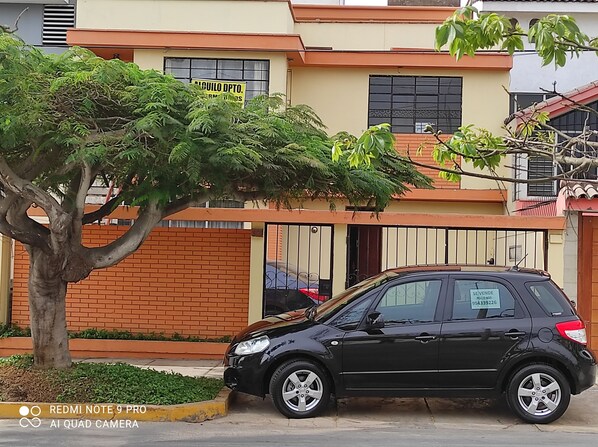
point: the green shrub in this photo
(10, 330)
(113, 334)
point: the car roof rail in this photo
(415, 268)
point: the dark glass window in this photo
(411, 103)
(552, 300)
(255, 73)
(412, 302)
(350, 319)
(520, 101)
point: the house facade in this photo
(356, 66)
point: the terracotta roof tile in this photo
(580, 190)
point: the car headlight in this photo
(252, 346)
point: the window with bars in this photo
(571, 123)
(57, 19)
(411, 103)
(539, 167)
(255, 73)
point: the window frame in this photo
(438, 313)
(222, 78)
(568, 123)
(415, 126)
(520, 310)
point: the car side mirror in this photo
(375, 320)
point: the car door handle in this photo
(515, 334)
(425, 338)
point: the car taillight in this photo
(313, 294)
(573, 330)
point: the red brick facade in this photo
(408, 142)
(185, 280)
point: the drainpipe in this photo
(5, 264)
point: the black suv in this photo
(452, 331)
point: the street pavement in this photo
(582, 415)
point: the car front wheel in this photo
(300, 389)
(538, 393)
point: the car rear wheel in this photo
(538, 393)
(300, 389)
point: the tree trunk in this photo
(47, 307)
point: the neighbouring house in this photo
(209, 271)
(532, 86)
(530, 81)
(41, 23)
(575, 198)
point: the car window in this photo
(349, 320)
(550, 298)
(334, 305)
(411, 302)
(480, 299)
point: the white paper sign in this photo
(485, 299)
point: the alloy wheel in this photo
(539, 394)
(302, 390)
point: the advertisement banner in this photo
(215, 88)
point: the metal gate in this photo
(297, 266)
(380, 248)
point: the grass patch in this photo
(113, 334)
(118, 383)
(18, 361)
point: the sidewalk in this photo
(480, 414)
(196, 368)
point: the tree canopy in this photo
(71, 121)
(555, 38)
(68, 121)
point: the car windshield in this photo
(338, 302)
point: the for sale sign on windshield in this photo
(485, 299)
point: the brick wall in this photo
(186, 280)
(411, 142)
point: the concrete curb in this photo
(192, 412)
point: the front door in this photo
(485, 323)
(364, 252)
(404, 353)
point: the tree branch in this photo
(122, 247)
(16, 232)
(96, 137)
(565, 175)
(15, 27)
(28, 190)
(102, 211)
